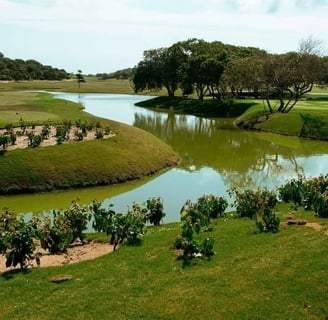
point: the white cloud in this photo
(119, 30)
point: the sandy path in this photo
(75, 254)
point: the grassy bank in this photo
(308, 119)
(130, 154)
(252, 276)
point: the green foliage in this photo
(45, 132)
(257, 205)
(309, 193)
(120, 227)
(212, 206)
(155, 210)
(321, 205)
(77, 218)
(250, 203)
(34, 139)
(99, 134)
(192, 221)
(4, 141)
(56, 235)
(79, 135)
(292, 191)
(61, 133)
(269, 221)
(18, 69)
(17, 239)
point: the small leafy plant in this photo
(17, 239)
(120, 227)
(155, 212)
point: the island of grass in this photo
(130, 153)
(308, 119)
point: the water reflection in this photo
(241, 158)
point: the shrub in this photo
(99, 134)
(17, 239)
(155, 212)
(257, 205)
(212, 206)
(79, 135)
(250, 203)
(34, 139)
(292, 191)
(321, 205)
(55, 236)
(120, 227)
(4, 141)
(191, 223)
(77, 218)
(269, 221)
(45, 132)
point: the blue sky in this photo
(107, 35)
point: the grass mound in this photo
(131, 154)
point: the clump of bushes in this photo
(310, 193)
(257, 205)
(195, 218)
(17, 239)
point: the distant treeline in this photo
(18, 69)
(119, 74)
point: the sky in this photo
(98, 36)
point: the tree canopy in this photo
(18, 69)
(220, 70)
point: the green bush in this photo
(77, 218)
(191, 222)
(17, 239)
(292, 191)
(251, 203)
(155, 212)
(321, 205)
(212, 206)
(120, 227)
(99, 134)
(269, 221)
(56, 235)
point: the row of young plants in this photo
(19, 239)
(9, 137)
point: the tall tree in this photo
(159, 68)
(79, 77)
(289, 76)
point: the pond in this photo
(214, 159)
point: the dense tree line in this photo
(18, 69)
(122, 74)
(219, 70)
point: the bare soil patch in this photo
(74, 254)
(22, 141)
(316, 226)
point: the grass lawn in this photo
(92, 84)
(252, 276)
(308, 119)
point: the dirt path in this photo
(75, 254)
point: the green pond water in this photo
(213, 160)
